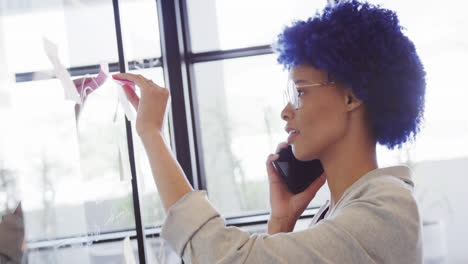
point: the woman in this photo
(355, 80)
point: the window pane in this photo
(225, 24)
(70, 173)
(72, 181)
(140, 29)
(439, 157)
(109, 252)
(79, 31)
(85, 33)
(240, 104)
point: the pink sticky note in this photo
(89, 84)
(124, 102)
(122, 82)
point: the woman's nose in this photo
(287, 113)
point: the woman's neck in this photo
(339, 182)
(345, 163)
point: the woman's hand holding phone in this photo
(287, 207)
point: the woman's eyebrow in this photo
(300, 81)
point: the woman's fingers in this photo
(271, 170)
(281, 146)
(271, 158)
(138, 79)
(152, 104)
(132, 96)
(319, 182)
(129, 90)
(313, 188)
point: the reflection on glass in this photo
(84, 31)
(12, 236)
(70, 187)
(101, 131)
(140, 30)
(69, 164)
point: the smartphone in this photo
(297, 175)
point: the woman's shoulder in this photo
(380, 212)
(383, 199)
(382, 185)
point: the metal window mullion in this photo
(192, 88)
(172, 50)
(83, 70)
(136, 198)
(230, 54)
(189, 59)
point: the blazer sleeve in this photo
(197, 233)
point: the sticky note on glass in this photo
(86, 85)
(129, 257)
(61, 72)
(124, 102)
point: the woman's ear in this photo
(352, 102)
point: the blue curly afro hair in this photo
(363, 46)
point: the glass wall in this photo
(240, 99)
(65, 176)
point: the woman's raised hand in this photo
(151, 107)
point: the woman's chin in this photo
(299, 154)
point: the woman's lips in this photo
(292, 136)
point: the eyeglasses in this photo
(292, 95)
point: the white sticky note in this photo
(124, 163)
(129, 257)
(125, 103)
(71, 93)
(105, 68)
